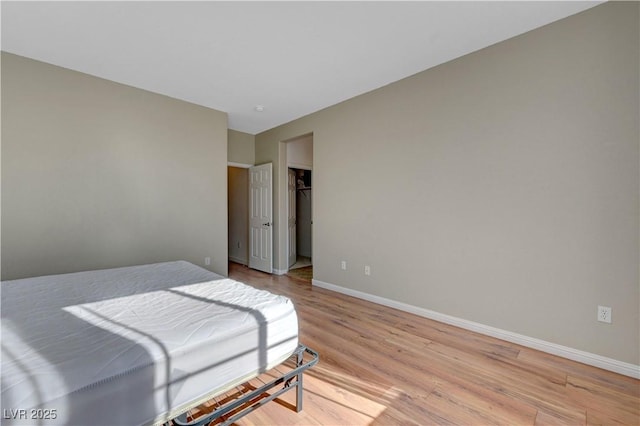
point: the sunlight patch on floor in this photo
(345, 398)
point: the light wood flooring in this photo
(380, 366)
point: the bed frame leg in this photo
(299, 382)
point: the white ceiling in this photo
(292, 57)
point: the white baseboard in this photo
(280, 271)
(588, 358)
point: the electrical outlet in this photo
(604, 314)
(207, 261)
(343, 265)
(367, 270)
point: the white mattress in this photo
(133, 345)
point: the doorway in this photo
(300, 219)
(238, 214)
(250, 215)
(296, 162)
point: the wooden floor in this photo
(380, 366)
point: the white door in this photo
(261, 218)
(292, 218)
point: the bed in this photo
(140, 345)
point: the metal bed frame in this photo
(243, 402)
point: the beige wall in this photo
(501, 188)
(241, 148)
(97, 174)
